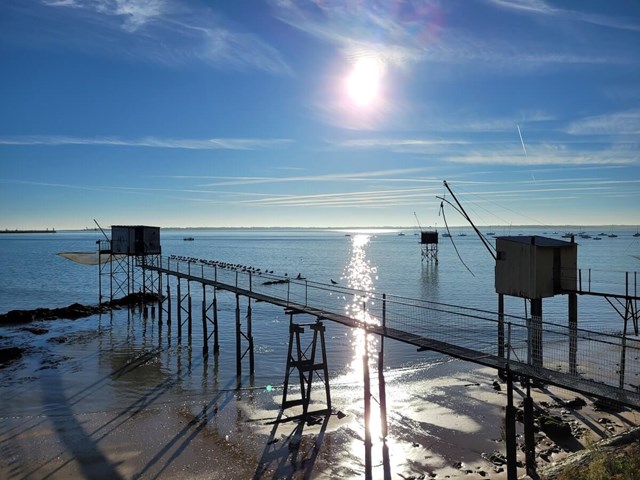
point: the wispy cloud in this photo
(541, 7)
(168, 32)
(152, 142)
(381, 175)
(616, 123)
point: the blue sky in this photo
(318, 112)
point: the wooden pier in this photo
(586, 362)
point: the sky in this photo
(318, 113)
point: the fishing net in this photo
(89, 258)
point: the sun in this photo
(363, 83)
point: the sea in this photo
(89, 360)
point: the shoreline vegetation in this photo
(605, 446)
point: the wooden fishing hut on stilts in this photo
(429, 244)
(130, 246)
(532, 268)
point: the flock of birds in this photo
(237, 267)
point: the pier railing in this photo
(595, 359)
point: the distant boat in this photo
(637, 234)
(188, 239)
(568, 235)
(612, 235)
(446, 235)
(401, 234)
(597, 238)
(491, 233)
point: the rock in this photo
(61, 339)
(74, 311)
(496, 458)
(35, 330)
(575, 404)
(554, 426)
(9, 355)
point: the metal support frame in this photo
(430, 252)
(306, 364)
(182, 309)
(209, 317)
(241, 351)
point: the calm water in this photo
(119, 360)
(34, 276)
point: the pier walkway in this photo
(591, 363)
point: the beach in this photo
(82, 405)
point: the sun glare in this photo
(363, 83)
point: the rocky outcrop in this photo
(73, 311)
(9, 355)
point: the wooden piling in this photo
(205, 337)
(510, 431)
(238, 341)
(368, 474)
(535, 331)
(179, 311)
(573, 333)
(529, 433)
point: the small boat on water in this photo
(188, 239)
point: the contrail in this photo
(521, 140)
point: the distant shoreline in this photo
(29, 231)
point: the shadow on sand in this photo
(293, 452)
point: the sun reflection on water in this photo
(360, 275)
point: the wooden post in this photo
(205, 336)
(501, 325)
(383, 413)
(216, 345)
(238, 341)
(189, 318)
(368, 474)
(250, 338)
(179, 311)
(573, 333)
(529, 438)
(510, 431)
(535, 331)
(250, 331)
(168, 301)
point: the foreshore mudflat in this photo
(81, 403)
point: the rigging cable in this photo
(451, 238)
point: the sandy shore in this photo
(102, 416)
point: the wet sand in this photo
(134, 418)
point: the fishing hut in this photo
(429, 244)
(130, 246)
(533, 268)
